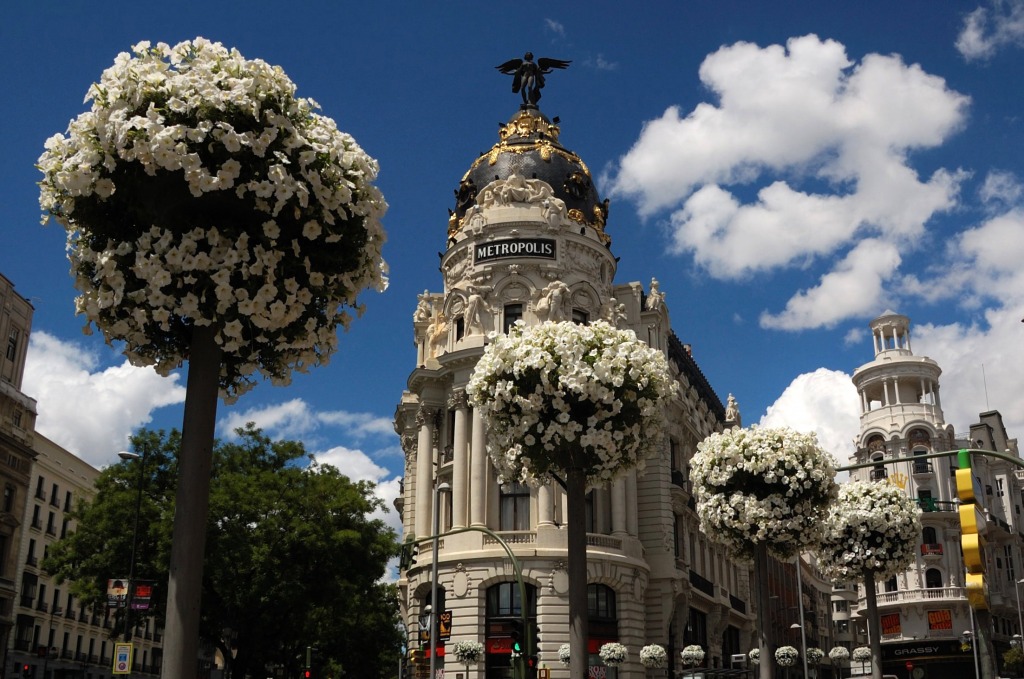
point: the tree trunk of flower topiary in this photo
(874, 625)
(766, 668)
(192, 502)
(576, 501)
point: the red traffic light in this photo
(307, 674)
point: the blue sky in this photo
(787, 171)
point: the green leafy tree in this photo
(1013, 661)
(293, 559)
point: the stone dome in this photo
(528, 147)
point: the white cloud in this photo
(1001, 189)
(357, 465)
(296, 419)
(853, 288)
(555, 27)
(88, 409)
(986, 30)
(825, 402)
(822, 142)
(981, 367)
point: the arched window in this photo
(504, 614)
(512, 313)
(891, 585)
(514, 507)
(933, 578)
(602, 618)
(878, 471)
(928, 535)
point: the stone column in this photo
(424, 469)
(478, 473)
(545, 506)
(632, 518)
(460, 471)
(618, 506)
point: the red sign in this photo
(891, 623)
(942, 619)
(499, 645)
(931, 548)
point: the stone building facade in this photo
(42, 626)
(924, 611)
(528, 241)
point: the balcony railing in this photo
(930, 504)
(878, 475)
(910, 595)
(931, 549)
(923, 467)
(702, 583)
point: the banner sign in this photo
(514, 247)
(117, 592)
(891, 623)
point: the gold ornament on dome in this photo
(526, 124)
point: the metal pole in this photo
(433, 579)
(803, 628)
(135, 539)
(1020, 615)
(974, 644)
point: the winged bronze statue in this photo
(528, 75)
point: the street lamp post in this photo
(434, 612)
(803, 628)
(135, 539)
(1020, 615)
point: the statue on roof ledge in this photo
(528, 75)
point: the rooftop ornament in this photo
(528, 75)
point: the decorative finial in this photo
(528, 76)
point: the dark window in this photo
(932, 578)
(12, 345)
(8, 498)
(601, 602)
(504, 600)
(928, 535)
(512, 313)
(580, 317)
(891, 584)
(514, 507)
(54, 496)
(460, 328)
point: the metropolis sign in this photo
(514, 247)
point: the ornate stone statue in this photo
(437, 335)
(655, 298)
(732, 412)
(472, 315)
(528, 75)
(553, 304)
(423, 306)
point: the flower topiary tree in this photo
(760, 491)
(613, 654)
(838, 655)
(786, 656)
(583, 401)
(870, 533)
(654, 656)
(692, 655)
(468, 652)
(212, 216)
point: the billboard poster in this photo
(117, 592)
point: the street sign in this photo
(122, 658)
(444, 626)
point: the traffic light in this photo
(517, 639)
(26, 671)
(407, 557)
(416, 656)
(972, 531)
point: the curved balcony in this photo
(926, 595)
